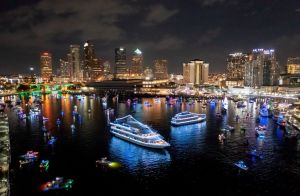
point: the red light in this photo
(46, 53)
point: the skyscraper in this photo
(262, 69)
(195, 72)
(75, 62)
(46, 66)
(89, 56)
(161, 69)
(121, 69)
(64, 69)
(236, 66)
(293, 65)
(97, 69)
(106, 68)
(136, 69)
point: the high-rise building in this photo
(106, 68)
(161, 69)
(236, 66)
(89, 56)
(136, 69)
(97, 69)
(75, 62)
(64, 69)
(148, 73)
(293, 65)
(195, 72)
(261, 69)
(46, 66)
(121, 69)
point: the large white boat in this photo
(185, 118)
(130, 129)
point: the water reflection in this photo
(136, 158)
(188, 138)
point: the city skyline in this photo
(173, 30)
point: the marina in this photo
(88, 129)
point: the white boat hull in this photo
(149, 145)
(187, 122)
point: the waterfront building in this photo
(46, 66)
(106, 68)
(261, 69)
(92, 66)
(195, 72)
(148, 74)
(74, 61)
(97, 69)
(293, 65)
(121, 69)
(136, 69)
(89, 56)
(64, 69)
(161, 69)
(236, 69)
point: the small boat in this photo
(255, 154)
(44, 129)
(241, 165)
(259, 132)
(45, 118)
(103, 162)
(227, 128)
(221, 137)
(264, 112)
(30, 155)
(57, 184)
(25, 162)
(58, 122)
(44, 164)
(52, 140)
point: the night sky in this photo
(176, 30)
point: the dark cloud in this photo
(158, 14)
(208, 36)
(172, 29)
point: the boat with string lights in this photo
(129, 129)
(185, 118)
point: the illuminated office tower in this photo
(136, 69)
(97, 69)
(236, 66)
(88, 61)
(121, 69)
(161, 69)
(261, 69)
(46, 66)
(64, 69)
(75, 62)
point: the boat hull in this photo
(187, 122)
(149, 145)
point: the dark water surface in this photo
(197, 162)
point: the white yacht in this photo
(130, 129)
(185, 118)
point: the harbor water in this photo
(196, 162)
